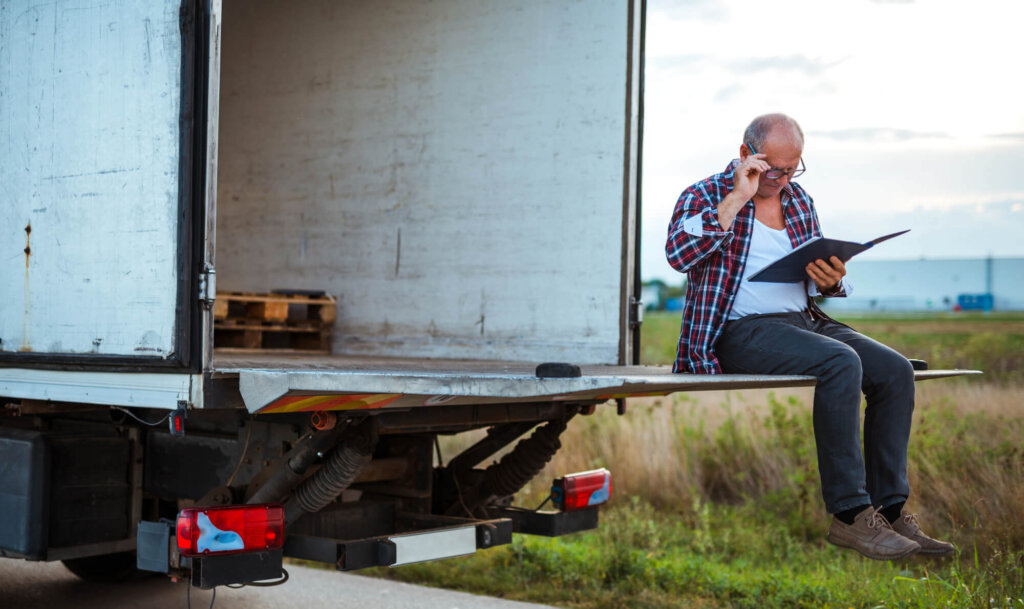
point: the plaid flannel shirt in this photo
(714, 258)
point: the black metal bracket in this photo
(211, 571)
(549, 523)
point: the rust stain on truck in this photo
(28, 246)
(26, 345)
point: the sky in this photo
(912, 111)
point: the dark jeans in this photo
(845, 363)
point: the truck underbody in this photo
(93, 473)
(361, 485)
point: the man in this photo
(734, 223)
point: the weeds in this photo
(719, 506)
(717, 499)
(643, 557)
(966, 466)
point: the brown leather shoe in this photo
(908, 526)
(871, 535)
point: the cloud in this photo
(793, 63)
(802, 64)
(996, 202)
(676, 62)
(728, 93)
(701, 10)
(878, 134)
(1009, 136)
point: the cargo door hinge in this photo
(636, 312)
(207, 287)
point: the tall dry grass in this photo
(757, 448)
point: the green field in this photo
(717, 501)
(992, 342)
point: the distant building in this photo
(659, 296)
(933, 285)
(652, 293)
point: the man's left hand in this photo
(825, 275)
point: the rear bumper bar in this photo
(405, 548)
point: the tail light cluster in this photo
(582, 490)
(230, 529)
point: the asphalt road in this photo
(50, 585)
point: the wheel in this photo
(106, 568)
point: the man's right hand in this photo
(748, 175)
(745, 181)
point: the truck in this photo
(258, 256)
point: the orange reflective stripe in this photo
(305, 403)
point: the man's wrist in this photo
(835, 289)
(728, 208)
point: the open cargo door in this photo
(99, 193)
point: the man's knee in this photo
(841, 362)
(892, 371)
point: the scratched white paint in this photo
(89, 127)
(149, 390)
(452, 170)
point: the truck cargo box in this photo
(463, 178)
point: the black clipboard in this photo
(791, 268)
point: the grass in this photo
(716, 500)
(644, 558)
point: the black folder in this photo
(791, 268)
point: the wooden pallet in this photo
(292, 322)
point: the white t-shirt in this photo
(766, 246)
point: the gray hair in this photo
(759, 128)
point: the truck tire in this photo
(108, 568)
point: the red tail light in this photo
(582, 490)
(177, 421)
(230, 529)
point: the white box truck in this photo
(462, 178)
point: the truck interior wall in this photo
(452, 171)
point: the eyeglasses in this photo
(775, 174)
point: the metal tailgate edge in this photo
(304, 390)
(295, 390)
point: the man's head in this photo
(781, 140)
